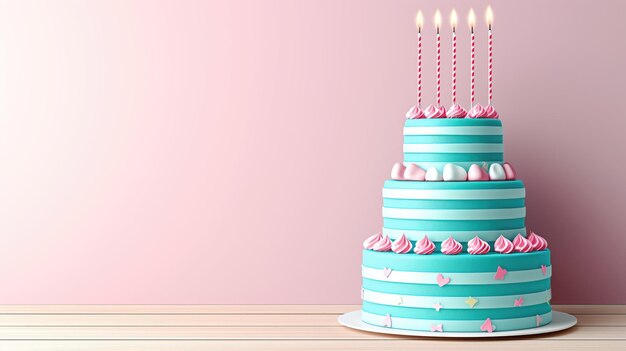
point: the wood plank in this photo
(591, 309)
(177, 309)
(198, 320)
(311, 345)
(601, 320)
(253, 333)
(244, 309)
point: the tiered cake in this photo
(454, 254)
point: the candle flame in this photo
(419, 20)
(471, 19)
(453, 19)
(437, 19)
(489, 16)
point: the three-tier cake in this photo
(454, 254)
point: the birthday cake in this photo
(454, 254)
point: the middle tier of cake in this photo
(461, 210)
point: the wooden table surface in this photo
(264, 327)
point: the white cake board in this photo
(560, 321)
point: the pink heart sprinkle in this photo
(441, 281)
(386, 272)
(487, 326)
(438, 327)
(539, 320)
(500, 273)
(519, 302)
(387, 321)
(544, 269)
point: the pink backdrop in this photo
(234, 152)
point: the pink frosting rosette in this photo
(401, 245)
(490, 112)
(383, 244)
(477, 246)
(538, 242)
(433, 111)
(456, 111)
(424, 246)
(522, 244)
(503, 245)
(451, 247)
(476, 112)
(372, 240)
(415, 113)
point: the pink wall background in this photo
(234, 152)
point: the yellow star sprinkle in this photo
(471, 301)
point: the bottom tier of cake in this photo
(456, 293)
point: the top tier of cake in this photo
(462, 141)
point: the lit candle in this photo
(453, 21)
(416, 111)
(455, 111)
(436, 110)
(438, 25)
(489, 17)
(419, 22)
(472, 21)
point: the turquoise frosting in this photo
(452, 314)
(453, 204)
(477, 158)
(493, 184)
(438, 133)
(498, 296)
(461, 196)
(453, 139)
(461, 263)
(472, 326)
(454, 302)
(418, 224)
(456, 290)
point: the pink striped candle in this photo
(438, 25)
(472, 22)
(419, 21)
(453, 21)
(489, 17)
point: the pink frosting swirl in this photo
(538, 242)
(451, 247)
(477, 246)
(490, 112)
(476, 112)
(433, 111)
(372, 240)
(402, 245)
(424, 246)
(522, 244)
(383, 244)
(415, 113)
(503, 245)
(456, 111)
